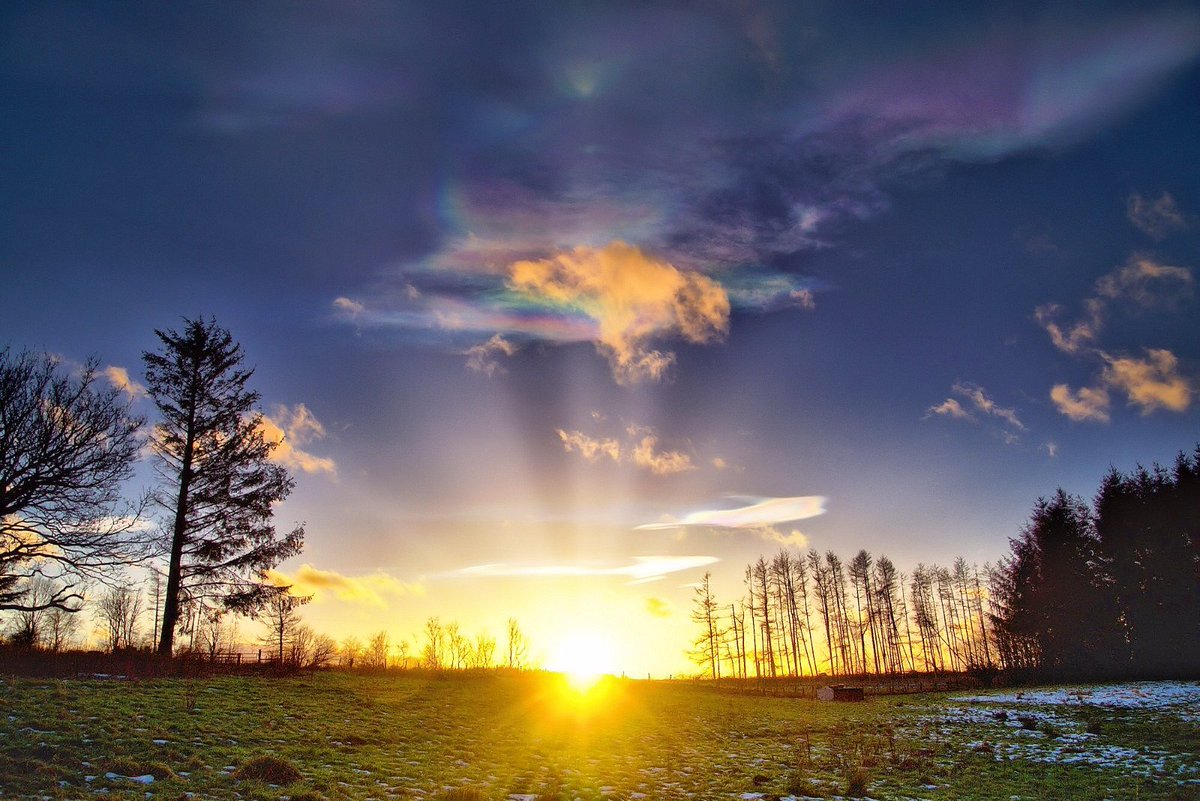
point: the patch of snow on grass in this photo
(1134, 695)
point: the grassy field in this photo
(535, 737)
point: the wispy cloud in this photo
(291, 428)
(481, 358)
(372, 589)
(119, 378)
(640, 448)
(950, 407)
(641, 569)
(1141, 282)
(1155, 218)
(980, 403)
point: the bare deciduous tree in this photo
(65, 449)
(119, 610)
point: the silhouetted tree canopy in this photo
(215, 477)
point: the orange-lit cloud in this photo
(119, 378)
(1152, 383)
(291, 428)
(642, 569)
(634, 298)
(1089, 403)
(590, 448)
(645, 454)
(1155, 218)
(374, 589)
(1074, 337)
(640, 450)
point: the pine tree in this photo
(217, 482)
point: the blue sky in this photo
(519, 281)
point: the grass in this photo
(473, 738)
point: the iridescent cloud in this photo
(763, 513)
(642, 569)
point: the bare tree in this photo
(350, 652)
(484, 651)
(281, 614)
(705, 653)
(119, 610)
(65, 449)
(518, 646)
(375, 656)
(433, 652)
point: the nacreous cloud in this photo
(643, 568)
(762, 514)
(372, 589)
(635, 300)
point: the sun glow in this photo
(583, 658)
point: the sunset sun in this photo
(584, 657)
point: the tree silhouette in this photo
(1149, 530)
(216, 480)
(65, 449)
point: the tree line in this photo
(1106, 589)
(810, 614)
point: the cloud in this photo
(481, 358)
(1051, 448)
(1152, 383)
(1155, 218)
(119, 378)
(658, 607)
(761, 514)
(1075, 337)
(1088, 404)
(980, 402)
(642, 569)
(348, 307)
(641, 450)
(590, 448)
(290, 429)
(1141, 281)
(1145, 282)
(634, 298)
(373, 589)
(645, 454)
(950, 407)
(788, 539)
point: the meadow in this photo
(536, 737)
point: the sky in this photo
(556, 307)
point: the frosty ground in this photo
(527, 737)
